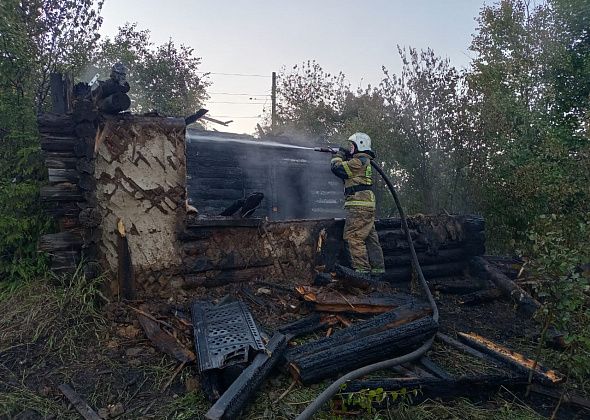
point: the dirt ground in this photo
(52, 334)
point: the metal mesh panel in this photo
(224, 335)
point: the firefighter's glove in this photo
(342, 153)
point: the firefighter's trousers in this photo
(363, 241)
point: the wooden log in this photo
(434, 368)
(398, 275)
(395, 318)
(526, 303)
(327, 300)
(442, 256)
(511, 358)
(62, 241)
(65, 261)
(164, 341)
(57, 176)
(61, 192)
(58, 93)
(242, 390)
(58, 209)
(125, 271)
(84, 148)
(311, 368)
(432, 388)
(570, 398)
(456, 285)
(79, 404)
(55, 143)
(57, 161)
(114, 103)
(307, 325)
(443, 338)
(55, 124)
(85, 129)
(84, 111)
(481, 296)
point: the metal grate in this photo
(224, 335)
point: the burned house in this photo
(142, 171)
(169, 211)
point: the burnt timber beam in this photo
(364, 350)
(241, 391)
(525, 302)
(516, 361)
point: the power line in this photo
(237, 94)
(238, 103)
(233, 74)
(232, 116)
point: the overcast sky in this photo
(258, 37)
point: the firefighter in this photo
(354, 168)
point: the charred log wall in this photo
(67, 142)
(218, 252)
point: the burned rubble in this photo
(263, 290)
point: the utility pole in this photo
(273, 98)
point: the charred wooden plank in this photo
(311, 368)
(464, 386)
(509, 357)
(457, 285)
(481, 296)
(81, 406)
(125, 271)
(307, 325)
(326, 300)
(434, 368)
(57, 161)
(61, 192)
(443, 338)
(525, 302)
(62, 241)
(51, 123)
(398, 275)
(84, 110)
(237, 396)
(395, 318)
(57, 176)
(58, 143)
(570, 398)
(442, 256)
(164, 341)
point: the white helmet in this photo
(361, 141)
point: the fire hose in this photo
(329, 392)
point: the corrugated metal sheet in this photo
(296, 182)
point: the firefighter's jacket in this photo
(357, 175)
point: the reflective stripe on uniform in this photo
(358, 203)
(347, 169)
(369, 172)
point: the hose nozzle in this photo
(325, 149)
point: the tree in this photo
(426, 108)
(165, 79)
(310, 100)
